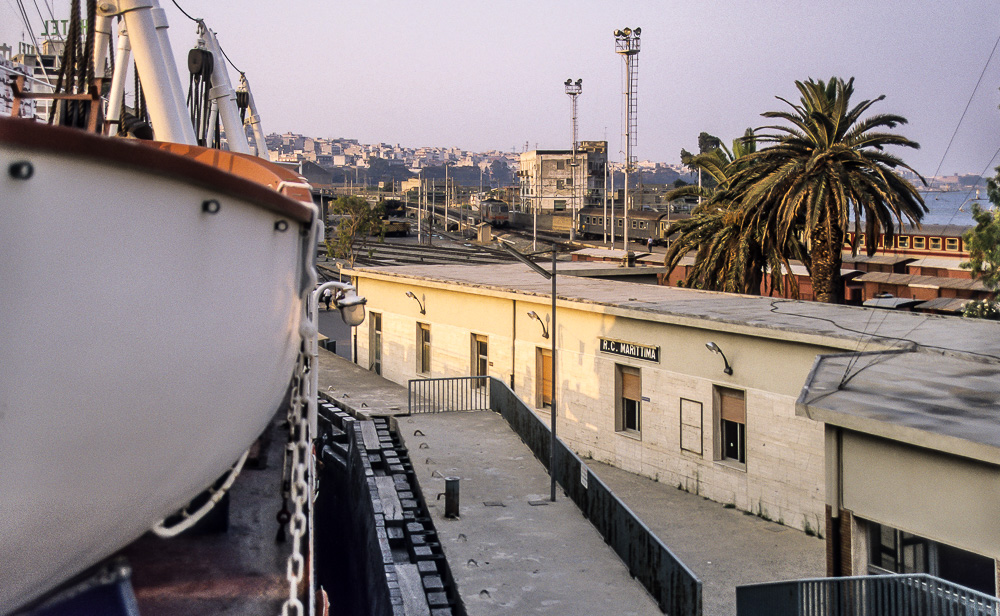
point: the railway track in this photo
(453, 253)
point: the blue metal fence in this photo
(464, 393)
(869, 595)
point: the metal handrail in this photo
(867, 595)
(463, 393)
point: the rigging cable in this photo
(185, 12)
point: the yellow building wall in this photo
(784, 475)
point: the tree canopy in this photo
(824, 169)
(353, 219)
(983, 243)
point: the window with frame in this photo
(480, 356)
(903, 241)
(423, 348)
(543, 377)
(628, 411)
(732, 424)
(560, 165)
(951, 244)
(918, 243)
(891, 550)
(375, 342)
(621, 223)
(559, 205)
(560, 184)
(935, 243)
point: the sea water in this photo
(953, 207)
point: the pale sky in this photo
(489, 75)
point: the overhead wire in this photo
(847, 376)
(967, 104)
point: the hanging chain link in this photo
(298, 444)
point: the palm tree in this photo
(729, 252)
(825, 171)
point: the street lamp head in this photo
(352, 309)
(627, 31)
(618, 32)
(534, 315)
(638, 31)
(711, 346)
(413, 296)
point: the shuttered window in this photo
(732, 424)
(544, 374)
(731, 405)
(629, 399)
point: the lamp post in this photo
(573, 89)
(627, 46)
(552, 337)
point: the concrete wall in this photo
(783, 478)
(942, 497)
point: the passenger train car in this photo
(494, 212)
(927, 241)
(643, 224)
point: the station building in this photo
(777, 435)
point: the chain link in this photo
(298, 435)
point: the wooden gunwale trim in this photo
(151, 157)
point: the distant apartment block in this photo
(560, 180)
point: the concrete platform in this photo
(512, 550)
(511, 554)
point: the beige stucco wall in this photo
(784, 474)
(938, 496)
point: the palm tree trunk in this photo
(826, 261)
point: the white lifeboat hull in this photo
(146, 343)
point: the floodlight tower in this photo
(573, 89)
(627, 46)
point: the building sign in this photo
(628, 349)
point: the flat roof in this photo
(949, 404)
(928, 282)
(948, 304)
(943, 370)
(943, 262)
(876, 259)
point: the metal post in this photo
(604, 191)
(451, 497)
(123, 52)
(552, 421)
(153, 61)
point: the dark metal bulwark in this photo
(869, 595)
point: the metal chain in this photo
(298, 440)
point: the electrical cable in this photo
(774, 309)
(967, 104)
